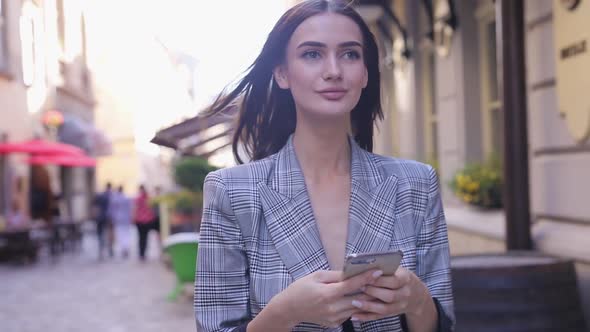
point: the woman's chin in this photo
(331, 116)
(329, 111)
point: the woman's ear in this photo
(281, 77)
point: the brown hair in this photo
(267, 114)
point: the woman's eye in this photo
(352, 55)
(311, 54)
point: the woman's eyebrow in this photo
(322, 45)
(350, 44)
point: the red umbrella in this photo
(62, 160)
(40, 147)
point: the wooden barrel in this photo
(517, 291)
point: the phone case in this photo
(387, 262)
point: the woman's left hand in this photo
(402, 293)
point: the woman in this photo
(275, 232)
(143, 217)
(120, 213)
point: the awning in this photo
(85, 135)
(40, 147)
(199, 136)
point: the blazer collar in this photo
(291, 223)
(287, 178)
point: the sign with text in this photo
(572, 54)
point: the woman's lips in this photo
(335, 94)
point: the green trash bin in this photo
(182, 248)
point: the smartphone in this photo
(388, 262)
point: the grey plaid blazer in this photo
(258, 234)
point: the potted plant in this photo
(480, 184)
(189, 173)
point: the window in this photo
(27, 36)
(428, 73)
(61, 25)
(4, 54)
(70, 28)
(491, 105)
(83, 40)
(31, 36)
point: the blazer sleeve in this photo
(221, 282)
(433, 256)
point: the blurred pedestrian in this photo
(103, 226)
(120, 214)
(143, 217)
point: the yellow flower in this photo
(460, 180)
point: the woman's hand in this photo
(402, 293)
(321, 298)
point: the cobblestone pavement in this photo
(79, 293)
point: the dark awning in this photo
(85, 135)
(200, 136)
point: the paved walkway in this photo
(78, 293)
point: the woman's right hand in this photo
(321, 298)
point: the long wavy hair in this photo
(266, 115)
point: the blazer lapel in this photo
(289, 216)
(372, 204)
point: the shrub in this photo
(190, 173)
(480, 184)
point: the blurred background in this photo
(493, 94)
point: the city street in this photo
(78, 293)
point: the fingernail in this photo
(377, 274)
(357, 304)
(354, 319)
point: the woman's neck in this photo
(322, 149)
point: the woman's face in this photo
(324, 67)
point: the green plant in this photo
(480, 184)
(190, 173)
(183, 201)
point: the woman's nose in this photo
(332, 69)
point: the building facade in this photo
(441, 94)
(13, 105)
(444, 106)
(43, 61)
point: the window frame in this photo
(486, 15)
(428, 94)
(428, 105)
